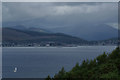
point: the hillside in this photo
(89, 32)
(11, 35)
(105, 66)
(84, 31)
(20, 35)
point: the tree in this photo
(104, 66)
(48, 78)
(76, 67)
(61, 73)
(102, 58)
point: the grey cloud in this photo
(23, 11)
(64, 13)
(0, 7)
(61, 0)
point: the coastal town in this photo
(55, 44)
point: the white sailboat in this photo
(15, 70)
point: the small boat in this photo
(15, 70)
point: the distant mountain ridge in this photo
(90, 32)
(28, 36)
(22, 27)
(21, 34)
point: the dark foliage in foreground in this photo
(105, 66)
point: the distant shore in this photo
(63, 46)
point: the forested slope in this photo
(105, 66)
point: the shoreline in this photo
(64, 47)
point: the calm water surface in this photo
(41, 62)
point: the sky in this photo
(0, 22)
(60, 0)
(69, 12)
(0, 12)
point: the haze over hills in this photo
(84, 31)
(90, 32)
(22, 27)
(23, 35)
